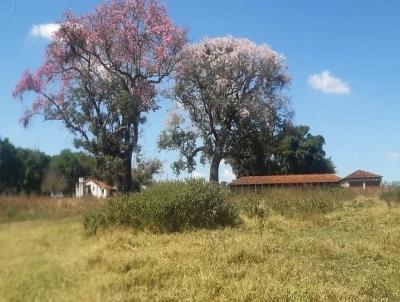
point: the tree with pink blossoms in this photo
(229, 88)
(99, 77)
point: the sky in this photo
(343, 57)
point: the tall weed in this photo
(167, 207)
(20, 208)
(391, 195)
(292, 202)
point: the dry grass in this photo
(21, 208)
(348, 254)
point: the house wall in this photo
(97, 191)
(90, 189)
(362, 183)
(79, 188)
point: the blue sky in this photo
(343, 57)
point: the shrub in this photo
(391, 195)
(167, 207)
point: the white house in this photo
(92, 188)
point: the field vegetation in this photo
(290, 245)
(167, 207)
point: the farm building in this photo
(92, 188)
(362, 180)
(358, 180)
(257, 183)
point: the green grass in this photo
(346, 252)
(166, 207)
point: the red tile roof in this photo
(361, 174)
(285, 179)
(101, 184)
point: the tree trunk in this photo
(126, 178)
(214, 167)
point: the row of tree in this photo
(292, 151)
(33, 172)
(100, 78)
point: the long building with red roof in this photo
(358, 179)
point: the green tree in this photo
(71, 165)
(100, 76)
(254, 155)
(300, 152)
(228, 88)
(54, 182)
(144, 172)
(10, 167)
(292, 150)
(33, 167)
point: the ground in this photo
(351, 254)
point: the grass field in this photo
(347, 253)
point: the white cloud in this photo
(327, 83)
(394, 154)
(45, 31)
(197, 174)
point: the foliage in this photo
(9, 167)
(302, 153)
(33, 167)
(99, 76)
(229, 88)
(21, 170)
(70, 166)
(143, 174)
(292, 150)
(167, 207)
(33, 172)
(54, 182)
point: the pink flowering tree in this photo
(228, 88)
(99, 77)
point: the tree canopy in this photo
(33, 167)
(10, 167)
(21, 170)
(227, 88)
(293, 150)
(99, 77)
(68, 166)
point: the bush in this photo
(291, 202)
(167, 207)
(391, 195)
